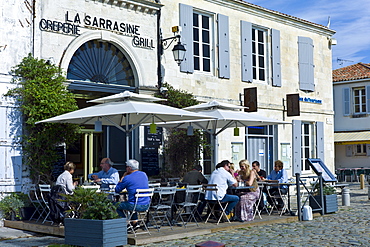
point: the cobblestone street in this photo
(350, 226)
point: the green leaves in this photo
(11, 204)
(90, 204)
(42, 94)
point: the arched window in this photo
(101, 62)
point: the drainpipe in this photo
(159, 48)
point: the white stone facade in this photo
(208, 85)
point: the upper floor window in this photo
(202, 42)
(259, 54)
(359, 98)
(356, 101)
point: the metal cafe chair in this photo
(162, 211)
(141, 215)
(34, 198)
(215, 206)
(189, 206)
(274, 197)
(44, 194)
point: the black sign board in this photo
(58, 167)
(149, 160)
(318, 166)
(153, 139)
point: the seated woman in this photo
(244, 208)
(65, 179)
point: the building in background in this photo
(351, 87)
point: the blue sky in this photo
(350, 20)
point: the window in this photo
(360, 149)
(308, 144)
(356, 101)
(259, 54)
(359, 100)
(202, 42)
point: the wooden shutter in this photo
(346, 102)
(246, 49)
(276, 66)
(305, 62)
(297, 146)
(320, 140)
(368, 99)
(349, 150)
(223, 47)
(186, 23)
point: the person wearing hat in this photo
(132, 179)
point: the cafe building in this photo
(236, 52)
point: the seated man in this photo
(278, 175)
(195, 176)
(223, 178)
(261, 173)
(133, 179)
(108, 175)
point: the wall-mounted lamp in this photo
(178, 49)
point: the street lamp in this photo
(178, 49)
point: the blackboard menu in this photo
(149, 160)
(318, 166)
(58, 167)
(153, 139)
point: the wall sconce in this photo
(98, 126)
(236, 130)
(178, 49)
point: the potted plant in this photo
(330, 204)
(11, 206)
(95, 221)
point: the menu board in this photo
(58, 167)
(318, 166)
(149, 160)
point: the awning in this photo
(349, 138)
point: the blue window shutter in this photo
(297, 146)
(186, 23)
(246, 49)
(368, 99)
(276, 66)
(346, 101)
(320, 140)
(305, 63)
(348, 150)
(223, 47)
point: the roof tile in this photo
(353, 72)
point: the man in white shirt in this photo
(223, 178)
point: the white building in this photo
(235, 48)
(232, 47)
(351, 87)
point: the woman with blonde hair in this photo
(65, 179)
(244, 208)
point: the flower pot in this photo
(85, 232)
(330, 203)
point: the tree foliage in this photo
(182, 152)
(42, 94)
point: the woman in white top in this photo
(65, 179)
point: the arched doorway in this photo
(98, 68)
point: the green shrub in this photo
(90, 204)
(11, 206)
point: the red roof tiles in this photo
(353, 72)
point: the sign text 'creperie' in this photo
(72, 25)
